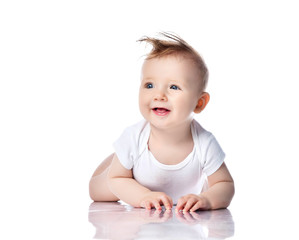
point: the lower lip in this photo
(161, 113)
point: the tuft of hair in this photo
(172, 44)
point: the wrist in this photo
(206, 200)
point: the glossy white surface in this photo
(69, 78)
(119, 222)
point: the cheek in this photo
(185, 105)
(143, 100)
(141, 104)
(145, 96)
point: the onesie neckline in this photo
(173, 166)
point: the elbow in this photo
(99, 192)
(230, 195)
(224, 200)
(93, 197)
(230, 192)
(92, 192)
(220, 205)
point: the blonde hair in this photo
(174, 45)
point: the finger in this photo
(202, 204)
(180, 205)
(142, 204)
(148, 205)
(171, 202)
(157, 204)
(189, 204)
(166, 203)
(196, 206)
(169, 199)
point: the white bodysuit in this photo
(186, 177)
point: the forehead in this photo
(173, 67)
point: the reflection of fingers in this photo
(160, 216)
(156, 214)
(195, 215)
(166, 215)
(180, 216)
(189, 217)
(147, 213)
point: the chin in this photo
(161, 125)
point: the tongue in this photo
(161, 110)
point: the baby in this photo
(168, 158)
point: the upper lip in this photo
(155, 108)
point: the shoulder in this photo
(132, 143)
(134, 132)
(200, 135)
(210, 151)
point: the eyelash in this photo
(176, 87)
(150, 85)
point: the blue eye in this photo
(174, 87)
(149, 85)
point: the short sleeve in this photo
(213, 157)
(129, 144)
(124, 148)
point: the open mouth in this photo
(161, 111)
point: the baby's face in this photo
(169, 91)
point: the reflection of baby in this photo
(115, 221)
(219, 223)
(168, 157)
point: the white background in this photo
(69, 79)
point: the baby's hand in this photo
(156, 200)
(192, 202)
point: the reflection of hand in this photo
(219, 222)
(157, 216)
(192, 202)
(156, 200)
(190, 218)
(118, 222)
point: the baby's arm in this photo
(122, 184)
(219, 195)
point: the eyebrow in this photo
(180, 83)
(147, 79)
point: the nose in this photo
(160, 96)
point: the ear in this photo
(202, 102)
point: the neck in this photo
(170, 136)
